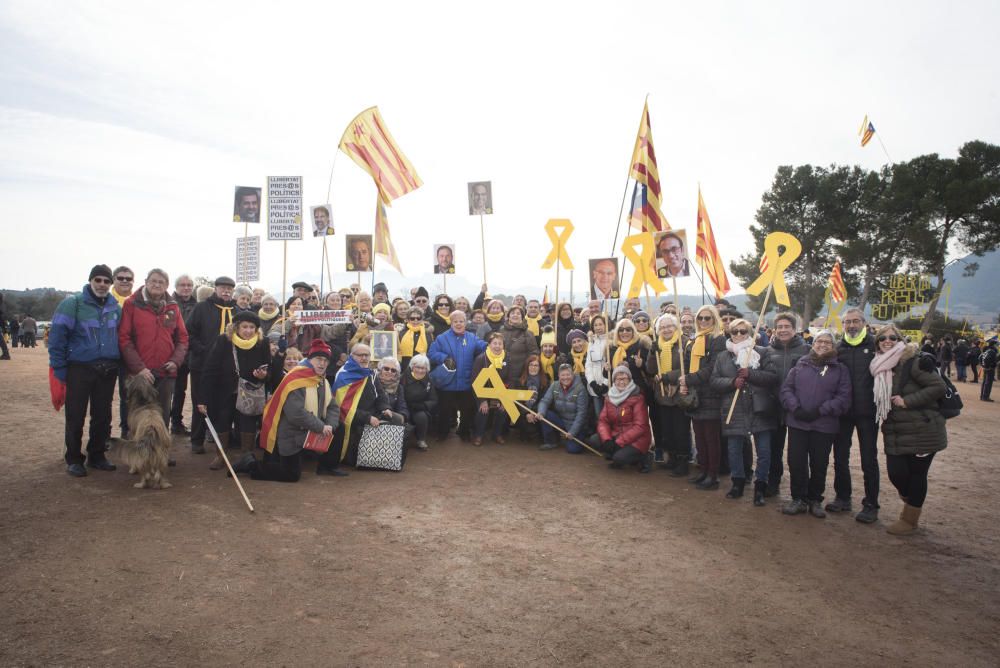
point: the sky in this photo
(124, 126)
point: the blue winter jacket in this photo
(464, 350)
(83, 331)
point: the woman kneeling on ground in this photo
(303, 403)
(623, 432)
(913, 430)
(421, 398)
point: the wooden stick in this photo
(482, 241)
(246, 252)
(760, 320)
(284, 283)
(564, 433)
(677, 303)
(222, 453)
(559, 246)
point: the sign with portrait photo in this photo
(604, 278)
(444, 258)
(671, 259)
(359, 252)
(480, 198)
(246, 204)
(322, 219)
(384, 344)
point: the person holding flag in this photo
(360, 402)
(302, 404)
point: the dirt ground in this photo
(501, 555)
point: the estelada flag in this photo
(707, 253)
(347, 388)
(838, 291)
(368, 142)
(383, 242)
(301, 376)
(867, 131)
(646, 214)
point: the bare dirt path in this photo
(502, 555)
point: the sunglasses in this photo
(640, 319)
(102, 280)
(421, 300)
(124, 279)
(740, 332)
(625, 329)
(889, 337)
(443, 305)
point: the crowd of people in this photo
(700, 393)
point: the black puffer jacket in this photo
(756, 408)
(420, 394)
(708, 398)
(857, 360)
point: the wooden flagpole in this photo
(222, 453)
(561, 431)
(246, 251)
(753, 334)
(482, 240)
(284, 283)
(329, 273)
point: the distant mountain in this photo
(976, 294)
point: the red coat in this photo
(149, 339)
(628, 424)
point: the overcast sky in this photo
(125, 125)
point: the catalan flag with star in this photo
(866, 131)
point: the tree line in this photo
(906, 217)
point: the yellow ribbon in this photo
(833, 315)
(558, 242)
(642, 263)
(777, 262)
(489, 386)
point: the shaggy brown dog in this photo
(147, 451)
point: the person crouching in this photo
(623, 432)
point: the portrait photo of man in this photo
(444, 259)
(480, 198)
(671, 254)
(246, 205)
(604, 278)
(321, 220)
(383, 345)
(359, 252)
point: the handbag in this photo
(249, 395)
(382, 448)
(442, 376)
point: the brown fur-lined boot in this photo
(217, 463)
(248, 443)
(907, 523)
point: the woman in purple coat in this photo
(816, 392)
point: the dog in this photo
(147, 449)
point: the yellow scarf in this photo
(549, 365)
(494, 317)
(264, 316)
(699, 350)
(312, 399)
(579, 359)
(225, 317)
(622, 352)
(496, 360)
(245, 344)
(532, 324)
(667, 351)
(121, 299)
(413, 334)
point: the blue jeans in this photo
(762, 441)
(548, 433)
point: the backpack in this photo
(950, 405)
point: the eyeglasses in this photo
(124, 279)
(739, 332)
(640, 319)
(390, 370)
(362, 354)
(102, 280)
(421, 300)
(890, 337)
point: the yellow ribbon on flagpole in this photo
(642, 263)
(833, 314)
(559, 239)
(777, 262)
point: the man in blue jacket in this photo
(83, 354)
(455, 350)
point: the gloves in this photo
(743, 373)
(599, 389)
(805, 415)
(608, 445)
(739, 382)
(282, 344)
(449, 363)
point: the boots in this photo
(710, 483)
(736, 491)
(907, 522)
(248, 443)
(681, 470)
(759, 491)
(698, 479)
(646, 463)
(217, 463)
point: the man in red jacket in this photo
(152, 337)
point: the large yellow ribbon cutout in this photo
(833, 315)
(565, 227)
(488, 385)
(777, 262)
(642, 263)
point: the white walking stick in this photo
(222, 453)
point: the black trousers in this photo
(675, 432)
(3, 346)
(988, 374)
(88, 385)
(279, 468)
(777, 456)
(808, 458)
(908, 474)
(197, 419)
(868, 445)
(180, 393)
(450, 403)
(421, 421)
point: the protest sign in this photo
(284, 208)
(247, 259)
(328, 317)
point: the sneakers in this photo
(421, 445)
(477, 441)
(548, 446)
(795, 507)
(868, 515)
(839, 505)
(816, 509)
